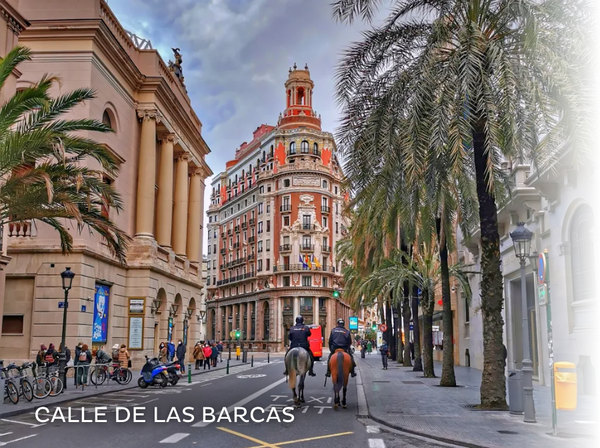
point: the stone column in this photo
(315, 310)
(164, 209)
(296, 307)
(146, 174)
(194, 216)
(180, 209)
(249, 321)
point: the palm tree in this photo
(41, 157)
(480, 80)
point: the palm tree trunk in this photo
(448, 378)
(493, 386)
(406, 324)
(428, 299)
(417, 366)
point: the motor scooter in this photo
(153, 373)
(173, 372)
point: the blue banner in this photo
(100, 323)
(353, 323)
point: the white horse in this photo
(297, 363)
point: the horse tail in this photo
(347, 367)
(293, 363)
(340, 372)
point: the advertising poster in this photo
(136, 332)
(185, 332)
(136, 306)
(170, 335)
(100, 322)
(353, 323)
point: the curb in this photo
(412, 431)
(59, 400)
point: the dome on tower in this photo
(299, 112)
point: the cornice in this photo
(15, 21)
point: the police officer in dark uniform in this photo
(340, 338)
(298, 337)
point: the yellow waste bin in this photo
(238, 351)
(565, 386)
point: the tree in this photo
(42, 162)
(480, 81)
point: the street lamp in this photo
(521, 237)
(67, 281)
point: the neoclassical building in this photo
(273, 222)
(158, 142)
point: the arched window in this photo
(316, 149)
(582, 253)
(106, 120)
(292, 147)
(272, 151)
(267, 320)
(304, 147)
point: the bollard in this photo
(227, 368)
(252, 361)
(268, 358)
(189, 373)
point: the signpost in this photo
(383, 328)
(62, 305)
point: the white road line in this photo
(376, 443)
(174, 438)
(5, 434)
(34, 425)
(372, 429)
(244, 401)
(117, 399)
(16, 440)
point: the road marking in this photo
(16, 440)
(175, 438)
(372, 429)
(117, 399)
(376, 443)
(254, 375)
(207, 384)
(289, 442)
(5, 434)
(252, 439)
(244, 401)
(34, 425)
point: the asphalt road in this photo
(163, 419)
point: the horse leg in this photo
(344, 399)
(301, 388)
(336, 400)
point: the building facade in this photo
(274, 219)
(157, 140)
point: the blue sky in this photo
(236, 55)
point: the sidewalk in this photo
(8, 409)
(403, 399)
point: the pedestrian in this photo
(198, 355)
(51, 356)
(77, 353)
(68, 361)
(83, 362)
(162, 353)
(214, 354)
(115, 353)
(383, 349)
(101, 356)
(181, 356)
(124, 357)
(207, 350)
(369, 347)
(170, 351)
(39, 359)
(220, 348)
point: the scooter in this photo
(153, 373)
(173, 372)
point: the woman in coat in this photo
(198, 355)
(162, 353)
(207, 350)
(124, 357)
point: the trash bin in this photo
(516, 399)
(565, 386)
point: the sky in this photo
(236, 57)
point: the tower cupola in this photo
(299, 94)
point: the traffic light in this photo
(374, 328)
(336, 293)
(237, 334)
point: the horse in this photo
(297, 363)
(340, 365)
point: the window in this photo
(268, 225)
(286, 280)
(214, 282)
(324, 221)
(306, 222)
(325, 282)
(466, 302)
(260, 227)
(325, 184)
(306, 280)
(336, 189)
(306, 303)
(315, 149)
(324, 201)
(12, 324)
(208, 281)
(209, 250)
(261, 190)
(582, 253)
(214, 248)
(292, 147)
(306, 242)
(107, 120)
(268, 208)
(260, 208)
(268, 245)
(214, 264)
(336, 228)
(259, 266)
(286, 240)
(304, 147)
(268, 264)
(215, 234)
(286, 220)
(260, 246)
(324, 241)
(105, 208)
(286, 183)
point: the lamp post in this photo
(521, 237)
(67, 281)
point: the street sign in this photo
(383, 327)
(62, 305)
(410, 327)
(543, 294)
(232, 334)
(83, 308)
(542, 266)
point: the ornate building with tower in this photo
(275, 216)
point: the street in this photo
(315, 424)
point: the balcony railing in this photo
(236, 245)
(285, 208)
(223, 234)
(251, 257)
(309, 227)
(244, 225)
(237, 229)
(325, 209)
(252, 221)
(235, 279)
(326, 249)
(229, 232)
(300, 267)
(251, 240)
(223, 251)
(307, 247)
(285, 248)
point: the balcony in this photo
(304, 152)
(236, 245)
(244, 225)
(223, 251)
(223, 267)
(285, 208)
(237, 229)
(252, 221)
(260, 249)
(300, 267)
(326, 249)
(307, 247)
(223, 234)
(309, 227)
(229, 232)
(325, 209)
(251, 240)
(251, 257)
(285, 248)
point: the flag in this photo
(308, 263)
(317, 264)
(304, 265)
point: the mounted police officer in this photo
(298, 337)
(340, 337)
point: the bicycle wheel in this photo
(41, 388)
(13, 393)
(98, 376)
(27, 389)
(57, 386)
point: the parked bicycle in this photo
(24, 385)
(99, 373)
(51, 374)
(10, 390)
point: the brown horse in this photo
(340, 365)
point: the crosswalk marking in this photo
(175, 438)
(372, 429)
(16, 440)
(376, 443)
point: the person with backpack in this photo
(51, 356)
(115, 352)
(207, 350)
(77, 352)
(39, 359)
(383, 349)
(83, 362)
(102, 357)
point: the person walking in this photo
(170, 351)
(162, 353)
(124, 357)
(75, 358)
(181, 356)
(369, 347)
(383, 349)
(214, 356)
(83, 362)
(220, 348)
(207, 350)
(198, 355)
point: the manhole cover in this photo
(412, 382)
(505, 431)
